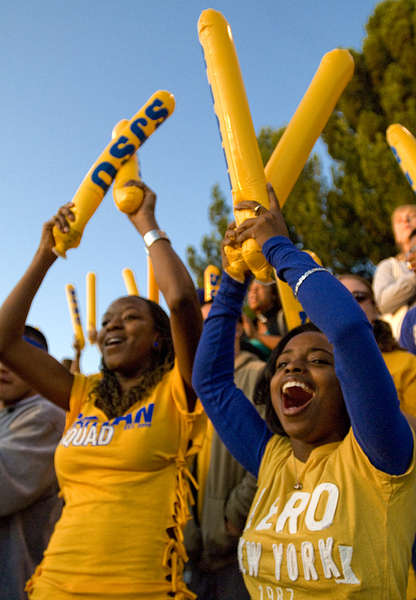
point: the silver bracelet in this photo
(153, 236)
(304, 276)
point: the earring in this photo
(155, 345)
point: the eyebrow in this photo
(310, 350)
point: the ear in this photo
(156, 343)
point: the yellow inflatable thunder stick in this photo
(292, 308)
(98, 179)
(152, 287)
(306, 125)
(212, 277)
(239, 141)
(292, 151)
(403, 146)
(130, 282)
(71, 297)
(127, 199)
(91, 308)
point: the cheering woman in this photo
(334, 513)
(122, 462)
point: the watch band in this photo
(153, 236)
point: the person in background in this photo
(224, 496)
(265, 330)
(30, 429)
(394, 281)
(400, 363)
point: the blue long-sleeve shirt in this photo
(368, 389)
(408, 331)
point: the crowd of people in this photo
(215, 455)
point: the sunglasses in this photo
(361, 296)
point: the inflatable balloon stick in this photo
(130, 282)
(91, 310)
(128, 197)
(152, 288)
(99, 178)
(403, 146)
(239, 140)
(212, 278)
(292, 308)
(71, 297)
(306, 125)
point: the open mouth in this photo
(296, 395)
(113, 341)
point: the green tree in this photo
(367, 182)
(219, 212)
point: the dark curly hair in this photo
(262, 389)
(107, 393)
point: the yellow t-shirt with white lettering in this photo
(346, 533)
(124, 482)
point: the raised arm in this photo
(369, 393)
(177, 288)
(236, 420)
(35, 366)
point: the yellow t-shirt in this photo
(124, 482)
(347, 533)
(402, 367)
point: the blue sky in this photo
(71, 70)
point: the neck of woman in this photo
(302, 449)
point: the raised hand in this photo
(232, 258)
(144, 217)
(266, 224)
(61, 221)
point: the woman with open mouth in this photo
(334, 514)
(122, 463)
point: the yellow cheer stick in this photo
(91, 308)
(403, 146)
(291, 153)
(292, 308)
(99, 178)
(212, 280)
(71, 297)
(152, 287)
(212, 277)
(128, 197)
(130, 282)
(239, 140)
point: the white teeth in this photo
(113, 340)
(290, 384)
